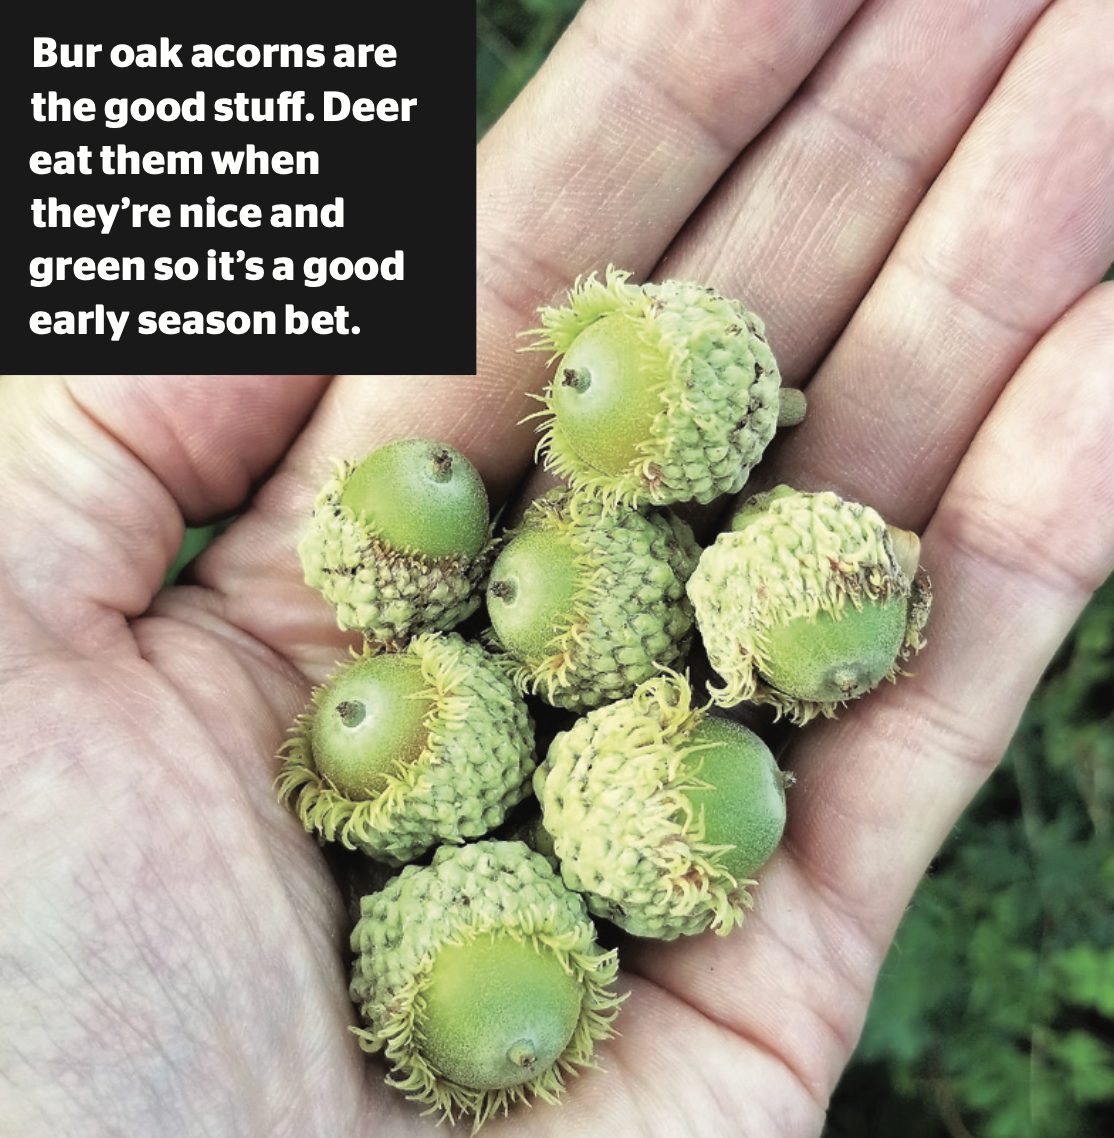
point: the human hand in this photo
(176, 961)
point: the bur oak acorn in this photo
(661, 813)
(808, 601)
(589, 600)
(661, 393)
(401, 751)
(400, 542)
(480, 980)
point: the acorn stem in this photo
(579, 379)
(503, 590)
(522, 1054)
(791, 406)
(441, 466)
(351, 712)
(907, 550)
(848, 679)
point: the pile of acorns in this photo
(477, 973)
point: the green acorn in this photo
(403, 750)
(480, 979)
(400, 542)
(660, 813)
(808, 601)
(663, 392)
(592, 601)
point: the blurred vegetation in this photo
(193, 542)
(994, 1013)
(512, 39)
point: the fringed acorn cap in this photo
(807, 602)
(663, 392)
(661, 813)
(403, 750)
(480, 980)
(400, 543)
(591, 601)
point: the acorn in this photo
(591, 601)
(400, 542)
(403, 750)
(480, 980)
(661, 813)
(662, 393)
(808, 601)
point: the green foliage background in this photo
(994, 1013)
(512, 39)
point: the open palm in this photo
(918, 198)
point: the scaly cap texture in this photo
(715, 375)
(467, 893)
(614, 796)
(387, 594)
(630, 618)
(475, 767)
(793, 554)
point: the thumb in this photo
(98, 473)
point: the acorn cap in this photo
(806, 602)
(589, 600)
(480, 979)
(429, 745)
(428, 582)
(660, 813)
(662, 393)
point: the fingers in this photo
(1022, 536)
(1020, 540)
(1019, 224)
(96, 473)
(802, 223)
(206, 438)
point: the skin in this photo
(170, 958)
